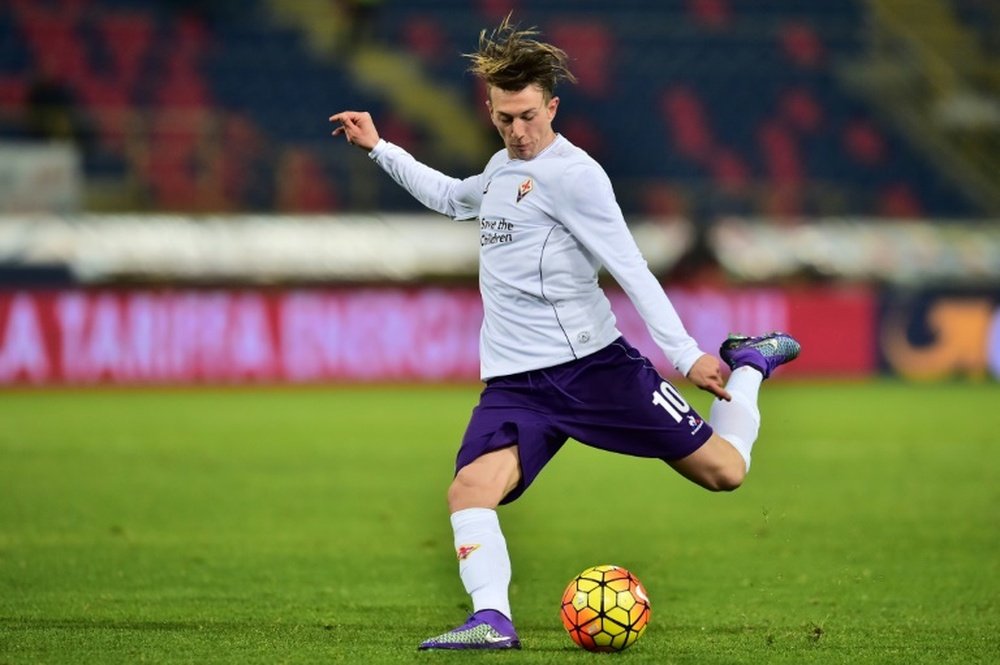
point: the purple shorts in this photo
(614, 400)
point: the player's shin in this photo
(483, 562)
(738, 421)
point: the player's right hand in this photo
(706, 373)
(357, 127)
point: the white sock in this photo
(483, 562)
(738, 421)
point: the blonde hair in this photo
(510, 59)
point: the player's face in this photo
(524, 119)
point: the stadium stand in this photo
(698, 107)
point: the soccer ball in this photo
(605, 608)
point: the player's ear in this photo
(552, 106)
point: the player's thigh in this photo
(623, 405)
(511, 412)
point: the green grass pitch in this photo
(309, 526)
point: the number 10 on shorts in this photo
(671, 401)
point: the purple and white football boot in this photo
(764, 353)
(486, 629)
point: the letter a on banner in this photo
(22, 345)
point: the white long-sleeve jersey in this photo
(547, 225)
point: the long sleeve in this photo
(456, 198)
(593, 216)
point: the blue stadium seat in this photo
(761, 79)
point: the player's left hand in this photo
(706, 373)
(357, 127)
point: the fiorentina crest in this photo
(525, 189)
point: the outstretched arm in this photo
(459, 199)
(357, 127)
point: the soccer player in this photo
(553, 363)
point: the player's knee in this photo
(472, 488)
(728, 479)
(716, 466)
(728, 471)
(485, 481)
(724, 478)
(463, 487)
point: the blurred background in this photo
(174, 210)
